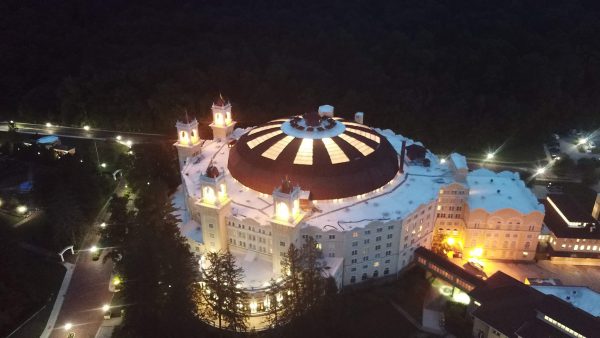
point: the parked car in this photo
(476, 264)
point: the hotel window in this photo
(365, 258)
(354, 261)
(366, 241)
(355, 234)
(390, 227)
(354, 252)
(353, 269)
(389, 236)
(331, 236)
(576, 247)
(379, 229)
(354, 243)
(281, 243)
(378, 238)
(353, 279)
(388, 245)
(367, 232)
(377, 247)
(389, 252)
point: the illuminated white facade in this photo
(369, 235)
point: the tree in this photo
(275, 297)
(222, 300)
(114, 234)
(303, 284)
(158, 270)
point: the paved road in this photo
(88, 290)
(76, 132)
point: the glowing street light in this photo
(105, 308)
(21, 209)
(94, 249)
(582, 141)
(103, 165)
(489, 156)
(86, 127)
(442, 161)
(103, 225)
(68, 326)
(48, 124)
(116, 281)
(118, 137)
(540, 171)
(129, 143)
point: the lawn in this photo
(28, 283)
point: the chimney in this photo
(359, 117)
(402, 153)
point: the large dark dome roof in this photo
(332, 158)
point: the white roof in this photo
(460, 162)
(579, 296)
(492, 191)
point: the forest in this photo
(447, 72)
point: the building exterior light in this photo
(103, 165)
(118, 137)
(103, 225)
(476, 252)
(442, 161)
(86, 128)
(21, 209)
(489, 156)
(105, 308)
(129, 143)
(68, 326)
(282, 211)
(540, 171)
(582, 141)
(116, 281)
(208, 195)
(48, 124)
(94, 249)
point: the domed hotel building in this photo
(368, 196)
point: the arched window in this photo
(352, 279)
(364, 276)
(375, 273)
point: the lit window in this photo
(305, 153)
(335, 152)
(275, 150)
(253, 143)
(359, 145)
(259, 129)
(370, 136)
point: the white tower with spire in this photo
(223, 123)
(188, 140)
(284, 224)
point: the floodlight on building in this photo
(86, 127)
(68, 326)
(21, 209)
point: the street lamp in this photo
(103, 225)
(68, 326)
(103, 165)
(582, 141)
(48, 124)
(86, 127)
(442, 161)
(21, 209)
(105, 308)
(118, 137)
(129, 143)
(489, 156)
(94, 249)
(540, 171)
